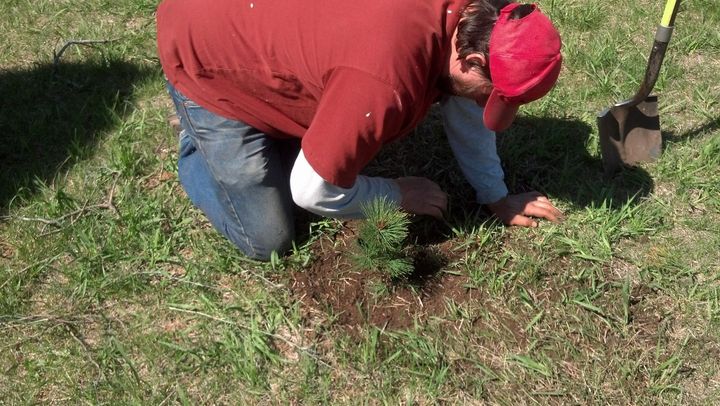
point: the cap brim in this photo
(499, 114)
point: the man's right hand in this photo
(422, 196)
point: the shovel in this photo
(630, 130)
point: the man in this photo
(250, 78)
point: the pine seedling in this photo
(381, 239)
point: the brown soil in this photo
(7, 251)
(353, 298)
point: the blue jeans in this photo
(238, 176)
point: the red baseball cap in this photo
(524, 64)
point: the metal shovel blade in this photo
(629, 134)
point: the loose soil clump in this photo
(354, 298)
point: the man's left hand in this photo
(518, 210)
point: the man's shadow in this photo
(52, 116)
(549, 155)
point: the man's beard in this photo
(451, 87)
(448, 86)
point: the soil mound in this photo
(354, 298)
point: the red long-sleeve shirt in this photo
(345, 76)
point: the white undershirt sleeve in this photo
(311, 192)
(474, 147)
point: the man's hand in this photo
(422, 196)
(516, 210)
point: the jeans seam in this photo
(222, 187)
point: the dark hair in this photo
(476, 23)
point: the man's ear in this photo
(476, 59)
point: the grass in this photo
(114, 289)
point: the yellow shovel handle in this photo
(669, 10)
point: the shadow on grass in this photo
(707, 127)
(52, 117)
(549, 155)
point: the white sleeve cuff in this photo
(312, 193)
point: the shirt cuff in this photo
(312, 193)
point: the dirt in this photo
(355, 298)
(7, 251)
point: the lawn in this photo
(115, 290)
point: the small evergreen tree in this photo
(381, 239)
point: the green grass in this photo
(115, 290)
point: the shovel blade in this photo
(629, 134)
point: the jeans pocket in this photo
(203, 121)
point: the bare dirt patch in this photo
(354, 297)
(7, 251)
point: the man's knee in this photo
(261, 245)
